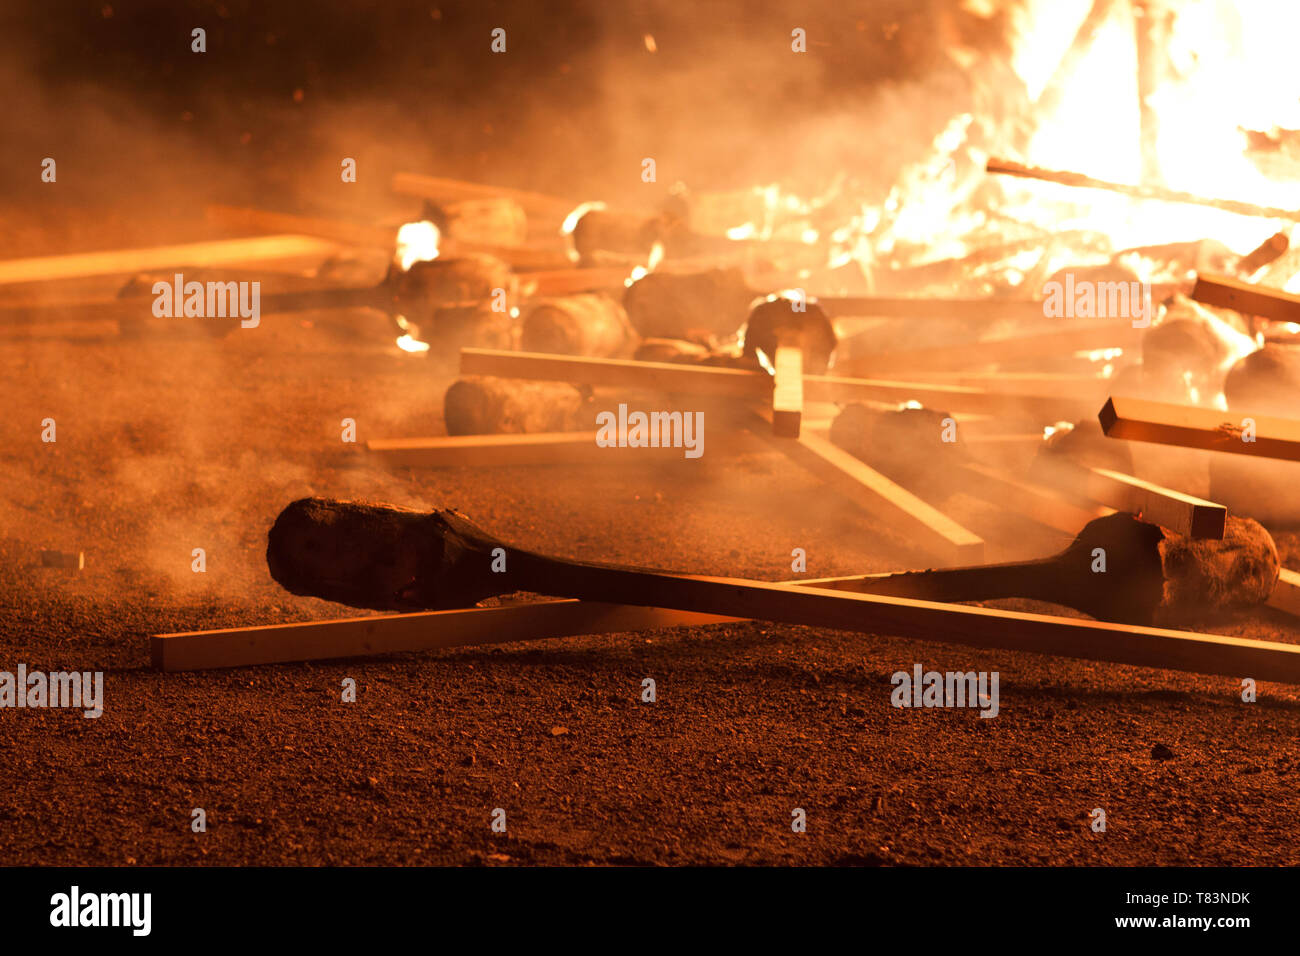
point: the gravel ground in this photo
(177, 441)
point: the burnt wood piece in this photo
(577, 325)
(1151, 575)
(778, 322)
(481, 405)
(1007, 168)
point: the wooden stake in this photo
(1188, 427)
(787, 391)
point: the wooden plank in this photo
(542, 448)
(974, 354)
(757, 385)
(1229, 293)
(247, 219)
(1164, 424)
(1286, 596)
(929, 307)
(451, 190)
(196, 254)
(1181, 513)
(978, 627)
(395, 633)
(923, 525)
(1044, 505)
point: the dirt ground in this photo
(178, 440)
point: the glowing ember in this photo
(417, 242)
(407, 343)
(652, 262)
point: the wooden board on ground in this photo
(924, 526)
(122, 261)
(979, 627)
(757, 385)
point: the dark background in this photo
(285, 90)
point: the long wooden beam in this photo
(1229, 293)
(541, 448)
(395, 633)
(974, 354)
(930, 307)
(196, 254)
(1180, 513)
(1044, 505)
(757, 385)
(923, 525)
(979, 627)
(1164, 424)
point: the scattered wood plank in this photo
(196, 254)
(930, 307)
(974, 354)
(395, 633)
(925, 526)
(450, 190)
(1229, 293)
(757, 385)
(1043, 505)
(979, 627)
(1008, 168)
(1181, 513)
(542, 448)
(1164, 424)
(1286, 596)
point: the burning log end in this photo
(1119, 568)
(381, 557)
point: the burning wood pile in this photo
(1116, 362)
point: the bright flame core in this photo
(417, 242)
